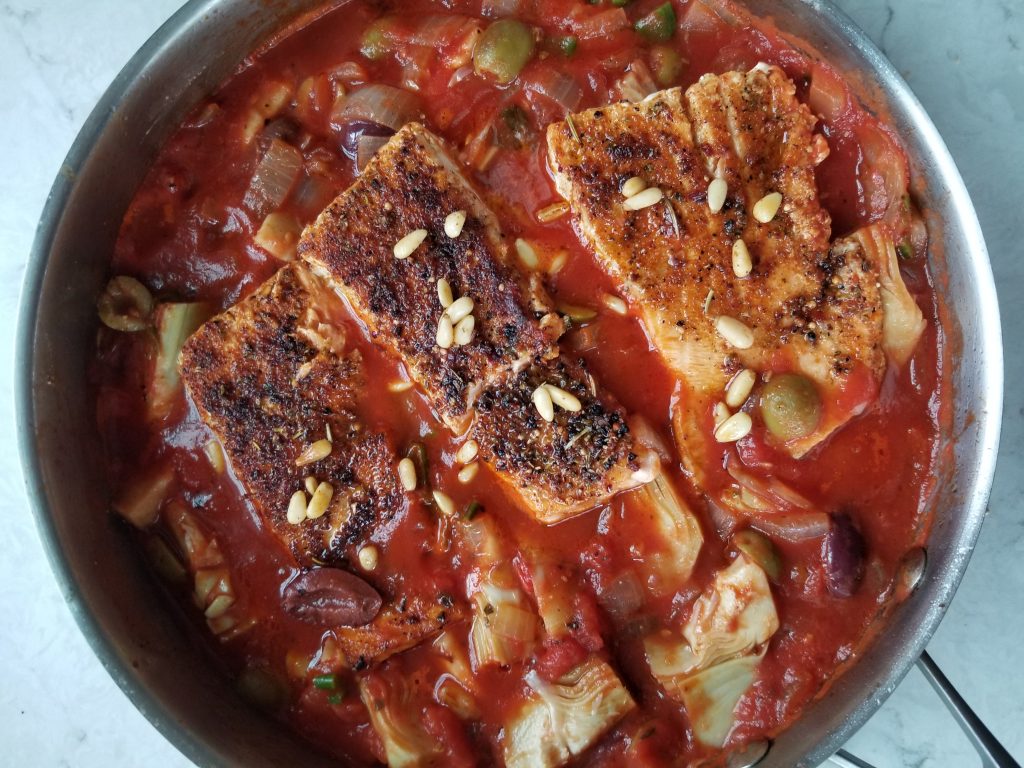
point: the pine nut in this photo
(741, 262)
(453, 223)
(445, 332)
(444, 503)
(464, 330)
(444, 293)
(320, 502)
(543, 403)
(734, 332)
(407, 474)
(735, 427)
(468, 472)
(615, 304)
(720, 413)
(739, 389)
(368, 557)
(297, 508)
(405, 247)
(717, 192)
(459, 309)
(467, 452)
(311, 484)
(564, 400)
(526, 254)
(645, 199)
(633, 186)
(766, 208)
(321, 449)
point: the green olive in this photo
(503, 50)
(790, 406)
(125, 305)
(760, 549)
(375, 44)
(666, 64)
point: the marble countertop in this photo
(58, 707)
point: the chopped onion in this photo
(349, 72)
(637, 84)
(588, 25)
(798, 526)
(496, 8)
(557, 86)
(700, 17)
(354, 132)
(827, 94)
(380, 104)
(435, 31)
(771, 490)
(274, 178)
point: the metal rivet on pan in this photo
(911, 572)
(752, 754)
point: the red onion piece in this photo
(378, 104)
(796, 526)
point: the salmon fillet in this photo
(411, 184)
(812, 307)
(414, 184)
(270, 376)
(570, 465)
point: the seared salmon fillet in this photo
(573, 464)
(798, 304)
(271, 376)
(413, 184)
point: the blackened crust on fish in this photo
(569, 465)
(413, 184)
(269, 376)
(398, 627)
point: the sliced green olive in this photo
(790, 406)
(125, 305)
(375, 44)
(503, 50)
(760, 549)
(659, 25)
(666, 64)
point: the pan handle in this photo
(993, 754)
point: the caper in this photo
(262, 689)
(503, 50)
(667, 64)
(760, 549)
(790, 406)
(125, 305)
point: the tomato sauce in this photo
(188, 237)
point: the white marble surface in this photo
(58, 707)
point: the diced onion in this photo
(557, 86)
(381, 104)
(274, 177)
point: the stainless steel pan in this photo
(138, 639)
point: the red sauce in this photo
(188, 237)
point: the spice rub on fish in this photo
(407, 193)
(736, 274)
(570, 463)
(584, 455)
(273, 379)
